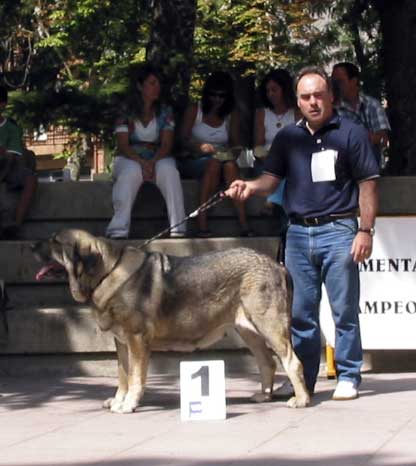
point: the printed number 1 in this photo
(203, 372)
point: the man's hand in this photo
(239, 190)
(362, 247)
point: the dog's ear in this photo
(73, 264)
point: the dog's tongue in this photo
(48, 269)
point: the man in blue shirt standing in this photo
(331, 173)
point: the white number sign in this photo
(202, 385)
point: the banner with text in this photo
(388, 289)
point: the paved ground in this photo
(55, 421)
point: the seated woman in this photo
(278, 110)
(144, 139)
(210, 133)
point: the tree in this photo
(81, 50)
(16, 42)
(352, 29)
(252, 36)
(398, 21)
(170, 44)
(69, 59)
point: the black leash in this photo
(211, 202)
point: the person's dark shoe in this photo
(9, 232)
(247, 233)
(285, 391)
(204, 234)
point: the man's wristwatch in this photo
(369, 231)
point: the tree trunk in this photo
(398, 20)
(171, 45)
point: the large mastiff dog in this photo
(152, 301)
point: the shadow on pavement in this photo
(341, 460)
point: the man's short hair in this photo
(3, 94)
(313, 70)
(352, 70)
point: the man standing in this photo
(330, 171)
(357, 105)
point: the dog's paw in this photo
(107, 403)
(296, 402)
(261, 398)
(129, 406)
(115, 405)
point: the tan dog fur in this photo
(152, 301)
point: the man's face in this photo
(314, 100)
(348, 88)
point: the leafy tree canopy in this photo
(68, 59)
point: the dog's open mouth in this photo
(51, 270)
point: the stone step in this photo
(87, 205)
(226, 226)
(69, 329)
(45, 319)
(86, 200)
(39, 294)
(49, 332)
(92, 200)
(104, 364)
(18, 265)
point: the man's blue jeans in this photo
(316, 255)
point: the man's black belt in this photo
(316, 221)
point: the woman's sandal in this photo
(204, 234)
(247, 233)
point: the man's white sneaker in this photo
(345, 390)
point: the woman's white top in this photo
(273, 123)
(140, 133)
(201, 132)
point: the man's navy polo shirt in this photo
(290, 157)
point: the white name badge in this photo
(323, 165)
(202, 385)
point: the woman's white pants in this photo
(128, 178)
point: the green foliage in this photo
(81, 50)
(355, 26)
(71, 57)
(252, 36)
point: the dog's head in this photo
(87, 260)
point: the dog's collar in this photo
(110, 272)
(105, 289)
